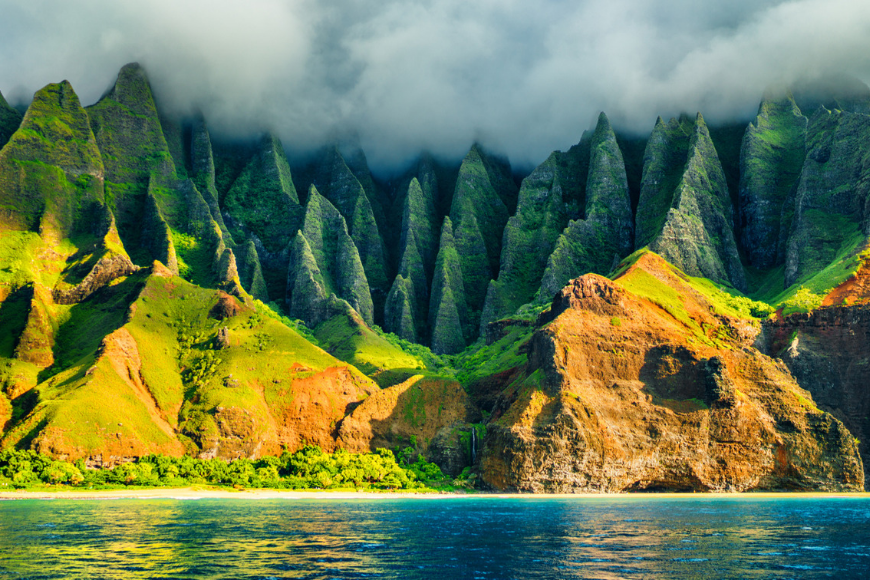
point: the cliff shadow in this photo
(675, 378)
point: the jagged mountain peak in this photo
(133, 90)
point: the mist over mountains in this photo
(412, 75)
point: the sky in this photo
(522, 78)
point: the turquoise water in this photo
(474, 538)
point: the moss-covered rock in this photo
(306, 288)
(771, 159)
(449, 321)
(483, 199)
(156, 234)
(329, 263)
(831, 195)
(685, 211)
(341, 186)
(127, 128)
(250, 271)
(420, 222)
(202, 170)
(597, 242)
(262, 204)
(263, 200)
(50, 170)
(409, 294)
(401, 311)
(663, 164)
(36, 342)
(551, 194)
(10, 119)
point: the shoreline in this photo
(192, 493)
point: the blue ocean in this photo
(460, 537)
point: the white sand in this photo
(210, 493)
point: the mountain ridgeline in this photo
(230, 303)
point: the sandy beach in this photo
(192, 493)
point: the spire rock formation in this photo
(597, 242)
(449, 320)
(573, 217)
(483, 200)
(771, 159)
(409, 294)
(261, 204)
(831, 206)
(685, 212)
(341, 186)
(168, 290)
(324, 262)
(50, 168)
(127, 128)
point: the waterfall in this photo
(473, 443)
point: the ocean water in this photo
(464, 537)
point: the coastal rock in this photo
(415, 413)
(621, 395)
(828, 352)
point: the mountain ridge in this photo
(123, 231)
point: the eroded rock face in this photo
(618, 395)
(828, 352)
(831, 195)
(771, 157)
(430, 414)
(684, 212)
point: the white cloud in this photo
(523, 77)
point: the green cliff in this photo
(263, 200)
(831, 195)
(771, 159)
(324, 262)
(127, 128)
(483, 200)
(603, 236)
(340, 185)
(10, 119)
(685, 211)
(51, 169)
(449, 320)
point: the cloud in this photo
(524, 78)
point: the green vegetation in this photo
(10, 119)
(482, 360)
(808, 294)
(308, 468)
(365, 348)
(724, 299)
(591, 244)
(449, 318)
(773, 153)
(264, 199)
